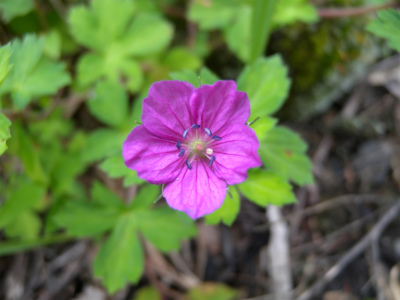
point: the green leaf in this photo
(121, 257)
(4, 132)
(206, 77)
(32, 75)
(5, 67)
(263, 125)
(109, 104)
(290, 11)
(283, 152)
(228, 211)
(147, 293)
(117, 43)
(115, 167)
(387, 26)
(82, 218)
(22, 144)
(146, 196)
(156, 223)
(264, 187)
(14, 8)
(180, 58)
(26, 226)
(214, 14)
(22, 198)
(266, 84)
(52, 45)
(212, 291)
(103, 143)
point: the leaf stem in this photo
(330, 13)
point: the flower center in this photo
(196, 145)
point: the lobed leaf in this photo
(387, 26)
(283, 152)
(228, 211)
(264, 187)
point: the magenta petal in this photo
(155, 160)
(236, 153)
(219, 104)
(197, 192)
(166, 108)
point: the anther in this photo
(208, 131)
(181, 152)
(184, 134)
(188, 165)
(212, 158)
(216, 137)
(209, 151)
(178, 145)
(195, 126)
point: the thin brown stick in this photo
(357, 249)
(331, 13)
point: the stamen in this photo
(178, 145)
(181, 152)
(195, 126)
(188, 165)
(212, 158)
(184, 134)
(208, 131)
(216, 137)
(209, 151)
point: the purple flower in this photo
(194, 141)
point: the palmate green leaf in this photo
(264, 187)
(145, 197)
(267, 85)
(262, 125)
(32, 75)
(214, 14)
(26, 226)
(109, 104)
(290, 11)
(5, 67)
(180, 58)
(4, 132)
(115, 167)
(206, 77)
(120, 258)
(228, 211)
(212, 291)
(9, 9)
(24, 197)
(284, 153)
(83, 218)
(117, 42)
(156, 223)
(387, 26)
(22, 144)
(103, 143)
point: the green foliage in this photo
(5, 67)
(290, 11)
(33, 75)
(17, 214)
(283, 152)
(4, 132)
(117, 43)
(266, 84)
(212, 291)
(120, 258)
(387, 26)
(265, 187)
(10, 9)
(228, 211)
(115, 167)
(147, 293)
(205, 76)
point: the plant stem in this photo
(330, 13)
